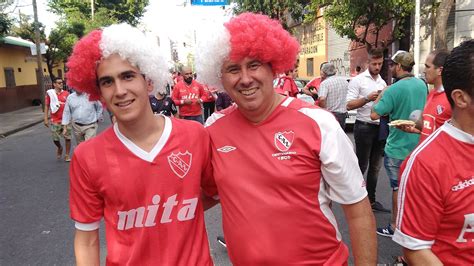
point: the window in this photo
(60, 73)
(310, 67)
(9, 77)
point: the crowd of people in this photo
(274, 163)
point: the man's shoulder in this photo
(221, 116)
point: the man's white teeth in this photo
(248, 92)
(123, 104)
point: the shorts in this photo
(392, 166)
(57, 131)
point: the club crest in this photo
(180, 163)
(284, 140)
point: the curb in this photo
(23, 127)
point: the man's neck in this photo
(260, 115)
(58, 90)
(463, 121)
(145, 132)
(437, 84)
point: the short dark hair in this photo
(439, 57)
(458, 70)
(376, 53)
(56, 79)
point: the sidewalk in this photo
(18, 120)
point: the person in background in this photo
(83, 115)
(399, 101)
(209, 101)
(188, 94)
(55, 101)
(162, 104)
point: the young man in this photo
(399, 101)
(162, 104)
(83, 115)
(437, 109)
(278, 162)
(440, 173)
(143, 175)
(361, 94)
(188, 94)
(55, 102)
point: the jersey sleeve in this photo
(339, 166)
(417, 224)
(175, 95)
(208, 184)
(85, 202)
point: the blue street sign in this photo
(209, 2)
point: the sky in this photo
(168, 19)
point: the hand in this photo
(46, 123)
(373, 96)
(408, 128)
(187, 101)
(64, 131)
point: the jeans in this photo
(197, 118)
(208, 109)
(341, 118)
(369, 151)
(392, 166)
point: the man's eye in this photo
(128, 76)
(233, 70)
(254, 66)
(105, 82)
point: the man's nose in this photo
(246, 78)
(120, 88)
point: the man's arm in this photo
(421, 257)
(322, 102)
(362, 229)
(323, 93)
(86, 247)
(373, 114)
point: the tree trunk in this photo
(441, 22)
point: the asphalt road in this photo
(35, 224)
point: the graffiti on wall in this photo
(342, 67)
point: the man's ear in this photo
(461, 99)
(439, 70)
(149, 85)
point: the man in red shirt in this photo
(435, 220)
(437, 109)
(55, 101)
(144, 175)
(277, 161)
(188, 94)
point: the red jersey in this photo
(287, 86)
(437, 111)
(271, 184)
(57, 117)
(150, 201)
(316, 82)
(195, 92)
(436, 197)
(208, 96)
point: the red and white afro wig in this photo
(122, 39)
(247, 35)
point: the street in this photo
(35, 224)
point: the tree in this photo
(25, 29)
(276, 9)
(442, 15)
(5, 24)
(357, 20)
(117, 10)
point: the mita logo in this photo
(146, 216)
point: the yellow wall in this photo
(20, 57)
(313, 42)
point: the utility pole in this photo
(39, 60)
(416, 41)
(92, 9)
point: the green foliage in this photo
(353, 19)
(5, 24)
(116, 10)
(276, 9)
(25, 28)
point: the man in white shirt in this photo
(362, 91)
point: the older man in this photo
(278, 162)
(332, 93)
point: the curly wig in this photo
(122, 39)
(247, 35)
